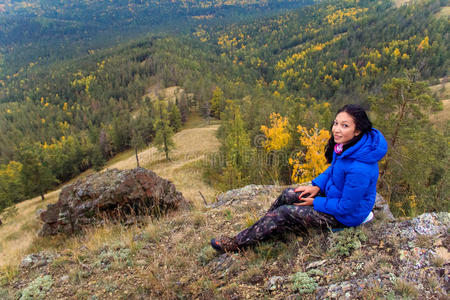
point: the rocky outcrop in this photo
(113, 194)
(36, 260)
(248, 193)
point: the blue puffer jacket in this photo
(350, 181)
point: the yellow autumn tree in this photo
(277, 134)
(308, 165)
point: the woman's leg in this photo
(285, 218)
(287, 197)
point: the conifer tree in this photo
(175, 117)
(411, 174)
(236, 147)
(164, 133)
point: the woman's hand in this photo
(306, 201)
(311, 190)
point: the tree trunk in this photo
(136, 153)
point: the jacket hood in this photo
(369, 149)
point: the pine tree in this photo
(164, 133)
(175, 117)
(411, 174)
(137, 136)
(236, 147)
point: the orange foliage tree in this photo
(308, 165)
(277, 135)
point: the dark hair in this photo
(362, 123)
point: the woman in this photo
(342, 196)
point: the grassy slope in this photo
(442, 92)
(193, 144)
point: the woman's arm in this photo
(355, 187)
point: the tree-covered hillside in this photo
(63, 117)
(44, 30)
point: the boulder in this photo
(36, 260)
(249, 193)
(111, 195)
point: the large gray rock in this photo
(113, 194)
(248, 193)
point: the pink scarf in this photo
(338, 148)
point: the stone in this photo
(381, 207)
(221, 263)
(275, 282)
(252, 191)
(430, 223)
(36, 260)
(316, 264)
(111, 195)
(246, 193)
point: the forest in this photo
(71, 97)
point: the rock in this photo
(221, 263)
(382, 207)
(275, 282)
(246, 193)
(431, 223)
(316, 264)
(112, 195)
(252, 191)
(36, 260)
(38, 213)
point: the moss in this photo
(303, 283)
(38, 288)
(344, 242)
(118, 258)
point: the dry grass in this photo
(442, 90)
(441, 118)
(168, 94)
(192, 147)
(399, 3)
(18, 235)
(444, 12)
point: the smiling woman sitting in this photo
(342, 196)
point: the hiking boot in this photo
(224, 244)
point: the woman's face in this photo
(344, 128)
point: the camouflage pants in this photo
(283, 216)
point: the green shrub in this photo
(9, 213)
(37, 289)
(4, 294)
(206, 254)
(114, 257)
(303, 283)
(344, 242)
